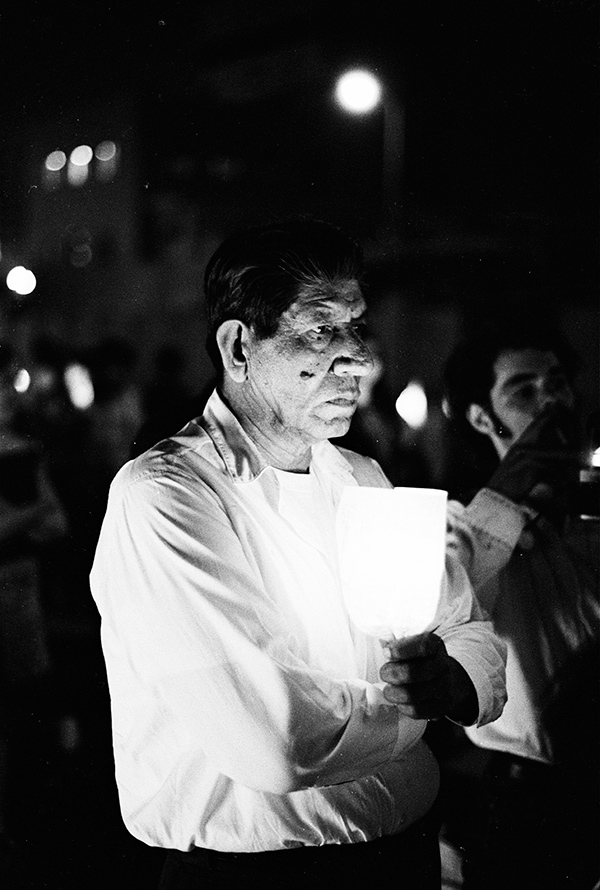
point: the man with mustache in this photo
(534, 563)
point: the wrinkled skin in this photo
(301, 386)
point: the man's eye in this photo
(322, 330)
(524, 394)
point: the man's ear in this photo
(480, 420)
(232, 340)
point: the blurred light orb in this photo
(81, 255)
(106, 154)
(77, 174)
(55, 161)
(21, 281)
(358, 91)
(411, 405)
(81, 156)
(78, 383)
(22, 380)
(77, 169)
(106, 151)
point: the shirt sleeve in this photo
(470, 639)
(484, 534)
(199, 655)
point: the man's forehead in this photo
(516, 364)
(343, 295)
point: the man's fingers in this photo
(427, 705)
(413, 693)
(414, 671)
(409, 648)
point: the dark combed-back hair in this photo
(469, 372)
(256, 273)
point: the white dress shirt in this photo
(247, 712)
(541, 589)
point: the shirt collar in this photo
(242, 458)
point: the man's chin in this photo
(330, 424)
(337, 427)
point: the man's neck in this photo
(277, 447)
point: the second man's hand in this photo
(540, 462)
(426, 683)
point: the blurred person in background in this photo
(118, 410)
(254, 738)
(167, 389)
(49, 414)
(32, 518)
(534, 564)
(168, 400)
(114, 418)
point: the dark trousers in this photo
(406, 861)
(536, 829)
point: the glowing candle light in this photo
(391, 545)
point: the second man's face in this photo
(305, 379)
(527, 383)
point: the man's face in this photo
(304, 381)
(527, 382)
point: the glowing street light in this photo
(358, 91)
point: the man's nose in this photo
(547, 400)
(548, 396)
(354, 360)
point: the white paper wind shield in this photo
(391, 547)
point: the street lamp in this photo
(358, 91)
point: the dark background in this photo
(224, 113)
(501, 106)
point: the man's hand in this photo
(539, 465)
(426, 683)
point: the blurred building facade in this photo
(229, 119)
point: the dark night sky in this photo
(501, 97)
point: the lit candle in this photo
(391, 546)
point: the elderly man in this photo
(534, 563)
(252, 735)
